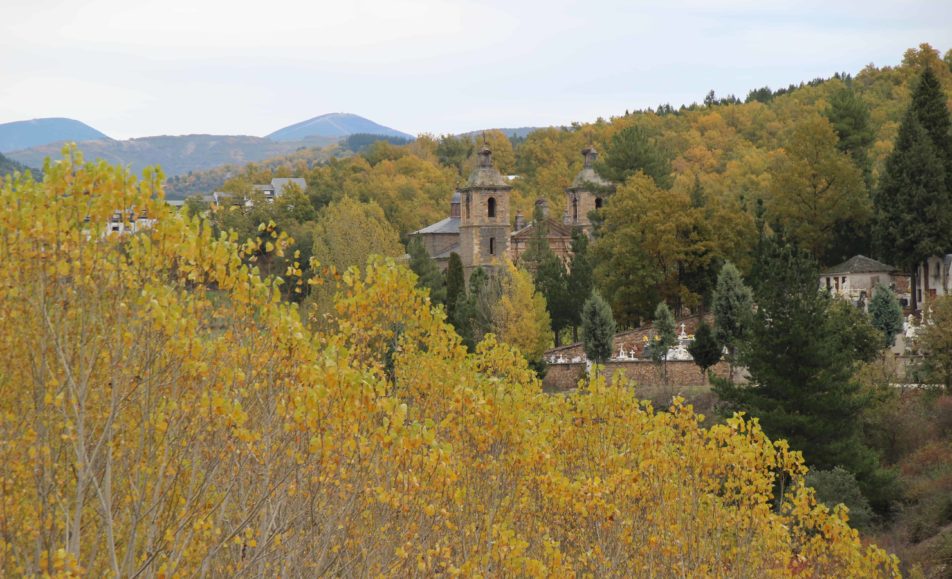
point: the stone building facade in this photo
(484, 226)
(479, 227)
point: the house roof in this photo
(860, 264)
(280, 183)
(446, 254)
(448, 225)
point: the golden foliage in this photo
(164, 413)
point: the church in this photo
(479, 227)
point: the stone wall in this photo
(627, 339)
(646, 374)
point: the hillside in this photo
(209, 180)
(8, 166)
(177, 155)
(334, 125)
(37, 132)
(512, 132)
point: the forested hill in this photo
(731, 154)
(335, 125)
(177, 155)
(25, 134)
(8, 166)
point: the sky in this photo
(135, 68)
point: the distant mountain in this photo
(26, 134)
(178, 155)
(334, 125)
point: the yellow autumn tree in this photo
(520, 317)
(163, 412)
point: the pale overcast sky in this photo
(133, 68)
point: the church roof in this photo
(448, 225)
(485, 175)
(446, 254)
(556, 229)
(859, 264)
(587, 177)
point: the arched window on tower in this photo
(598, 203)
(491, 207)
(492, 246)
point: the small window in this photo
(491, 206)
(492, 246)
(598, 203)
(574, 209)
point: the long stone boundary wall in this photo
(646, 374)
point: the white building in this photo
(855, 278)
(129, 221)
(934, 277)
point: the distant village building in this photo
(129, 221)
(855, 279)
(279, 185)
(934, 277)
(479, 227)
(270, 191)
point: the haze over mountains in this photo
(36, 132)
(335, 125)
(30, 142)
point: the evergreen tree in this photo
(931, 108)
(665, 337)
(631, 150)
(473, 317)
(913, 216)
(579, 279)
(885, 313)
(913, 205)
(549, 274)
(705, 348)
(801, 355)
(733, 312)
(427, 271)
(455, 285)
(849, 115)
(598, 329)
(551, 281)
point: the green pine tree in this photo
(665, 337)
(733, 312)
(455, 284)
(801, 355)
(428, 273)
(913, 204)
(913, 209)
(598, 329)
(631, 150)
(849, 115)
(885, 313)
(580, 280)
(705, 348)
(931, 108)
